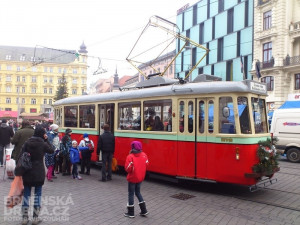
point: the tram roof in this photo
(246, 86)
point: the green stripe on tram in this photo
(76, 131)
(175, 137)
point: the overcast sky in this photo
(109, 28)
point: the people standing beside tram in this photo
(37, 146)
(135, 165)
(74, 158)
(106, 144)
(86, 147)
(65, 151)
(20, 137)
(6, 133)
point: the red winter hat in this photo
(136, 145)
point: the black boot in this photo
(130, 212)
(25, 216)
(144, 211)
(36, 212)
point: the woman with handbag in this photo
(36, 146)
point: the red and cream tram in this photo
(207, 131)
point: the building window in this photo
(51, 69)
(246, 13)
(18, 79)
(34, 69)
(195, 15)
(50, 90)
(65, 71)
(33, 90)
(45, 80)
(33, 101)
(267, 20)
(74, 71)
(18, 68)
(33, 79)
(201, 33)
(83, 81)
(8, 109)
(269, 80)
(45, 101)
(59, 70)
(8, 100)
(74, 81)
(8, 57)
(33, 110)
(297, 81)
(24, 68)
(23, 100)
(50, 101)
(213, 27)
(8, 67)
(238, 41)
(230, 21)
(229, 70)
(8, 89)
(17, 100)
(8, 77)
(22, 58)
(45, 90)
(267, 52)
(23, 89)
(221, 6)
(18, 89)
(74, 91)
(83, 71)
(50, 80)
(220, 49)
(45, 69)
(23, 79)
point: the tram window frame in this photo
(226, 108)
(190, 116)
(210, 124)
(73, 122)
(134, 122)
(181, 116)
(260, 121)
(58, 117)
(161, 113)
(87, 116)
(244, 115)
(201, 116)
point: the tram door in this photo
(106, 113)
(186, 148)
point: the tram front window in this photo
(243, 109)
(259, 115)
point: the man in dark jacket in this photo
(106, 144)
(20, 137)
(37, 146)
(67, 144)
(6, 133)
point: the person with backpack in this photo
(86, 147)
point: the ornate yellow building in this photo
(29, 77)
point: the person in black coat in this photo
(6, 133)
(37, 146)
(106, 144)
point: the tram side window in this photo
(71, 115)
(181, 116)
(158, 115)
(243, 109)
(259, 115)
(129, 116)
(211, 109)
(87, 116)
(191, 117)
(226, 116)
(201, 116)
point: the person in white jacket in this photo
(86, 147)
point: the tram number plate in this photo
(226, 139)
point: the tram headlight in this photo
(237, 153)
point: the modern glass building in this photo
(225, 27)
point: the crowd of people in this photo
(63, 155)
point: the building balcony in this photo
(266, 64)
(294, 29)
(262, 2)
(291, 61)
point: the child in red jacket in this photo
(135, 166)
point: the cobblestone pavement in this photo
(90, 201)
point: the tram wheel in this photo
(293, 155)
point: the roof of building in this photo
(124, 79)
(45, 55)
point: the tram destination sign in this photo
(259, 87)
